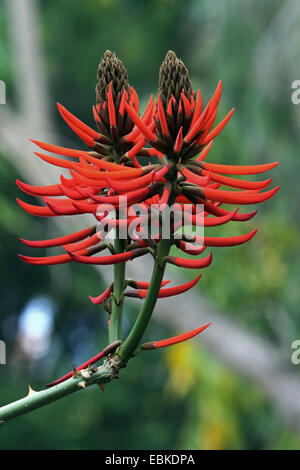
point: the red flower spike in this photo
(190, 263)
(174, 340)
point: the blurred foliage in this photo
(182, 398)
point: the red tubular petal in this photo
(162, 118)
(171, 101)
(122, 105)
(51, 190)
(215, 221)
(240, 170)
(212, 221)
(199, 180)
(190, 249)
(111, 107)
(218, 211)
(56, 149)
(87, 243)
(147, 120)
(96, 174)
(136, 148)
(138, 194)
(204, 153)
(64, 209)
(49, 260)
(237, 183)
(186, 105)
(112, 259)
(217, 129)
(96, 115)
(134, 99)
(216, 96)
(229, 241)
(238, 197)
(40, 211)
(139, 123)
(163, 201)
(81, 134)
(101, 298)
(178, 142)
(171, 291)
(190, 263)
(175, 339)
(73, 237)
(159, 174)
(71, 118)
(196, 127)
(137, 183)
(103, 164)
(60, 162)
(198, 108)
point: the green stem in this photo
(132, 341)
(100, 375)
(115, 323)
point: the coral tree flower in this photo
(174, 135)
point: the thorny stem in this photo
(115, 323)
(95, 375)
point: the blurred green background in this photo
(181, 398)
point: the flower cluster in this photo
(156, 159)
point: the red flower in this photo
(176, 134)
